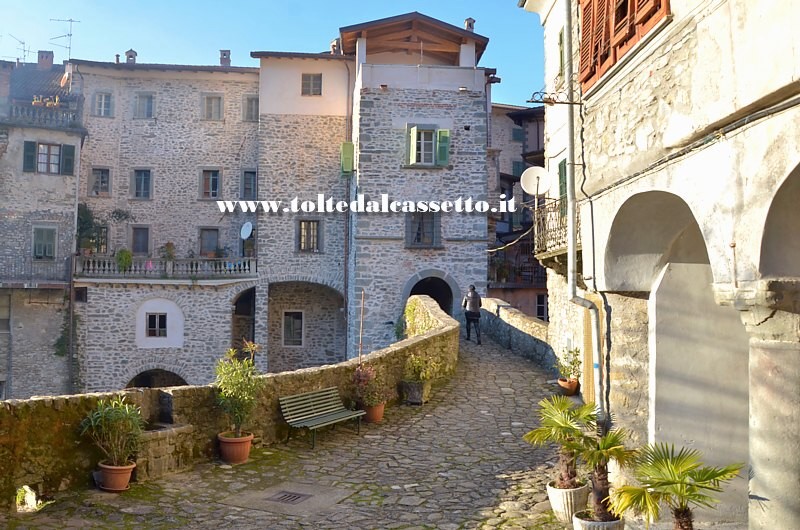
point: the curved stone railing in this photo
(523, 334)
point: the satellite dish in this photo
(247, 230)
(535, 181)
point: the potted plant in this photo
(238, 384)
(124, 258)
(569, 370)
(371, 393)
(167, 251)
(679, 480)
(420, 369)
(562, 422)
(116, 428)
(597, 450)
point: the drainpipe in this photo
(572, 270)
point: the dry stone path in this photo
(457, 462)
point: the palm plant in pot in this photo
(569, 370)
(679, 480)
(561, 421)
(116, 428)
(238, 383)
(420, 370)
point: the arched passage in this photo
(156, 378)
(780, 246)
(243, 321)
(437, 289)
(697, 389)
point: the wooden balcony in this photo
(162, 269)
(550, 223)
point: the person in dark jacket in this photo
(472, 306)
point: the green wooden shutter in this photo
(347, 157)
(29, 157)
(67, 159)
(562, 185)
(412, 145)
(442, 147)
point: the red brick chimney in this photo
(45, 60)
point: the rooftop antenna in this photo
(21, 48)
(68, 36)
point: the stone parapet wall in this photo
(41, 446)
(522, 334)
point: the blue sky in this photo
(181, 32)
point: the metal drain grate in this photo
(289, 497)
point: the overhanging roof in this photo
(170, 67)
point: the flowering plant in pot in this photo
(238, 383)
(679, 480)
(116, 428)
(371, 393)
(562, 422)
(420, 370)
(569, 370)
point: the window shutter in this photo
(29, 157)
(601, 42)
(562, 186)
(348, 157)
(442, 147)
(67, 159)
(412, 145)
(561, 52)
(623, 21)
(437, 229)
(645, 9)
(587, 63)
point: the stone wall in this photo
(522, 334)
(41, 447)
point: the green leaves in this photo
(116, 428)
(238, 383)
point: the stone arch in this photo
(140, 366)
(434, 273)
(335, 281)
(243, 317)
(156, 378)
(780, 244)
(238, 289)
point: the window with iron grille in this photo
(156, 324)
(423, 230)
(541, 307)
(308, 236)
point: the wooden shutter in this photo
(603, 55)
(67, 159)
(412, 145)
(442, 147)
(29, 157)
(587, 18)
(561, 53)
(622, 17)
(347, 157)
(645, 9)
(562, 186)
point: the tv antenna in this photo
(21, 48)
(67, 36)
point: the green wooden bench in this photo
(313, 410)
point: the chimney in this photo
(469, 24)
(116, 59)
(5, 85)
(45, 60)
(336, 46)
(224, 57)
(130, 56)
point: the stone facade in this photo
(522, 334)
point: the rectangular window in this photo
(308, 239)
(312, 85)
(251, 108)
(51, 159)
(102, 104)
(428, 146)
(5, 313)
(100, 242)
(143, 106)
(209, 242)
(541, 307)
(100, 182)
(142, 184)
(249, 182)
(517, 167)
(141, 240)
(292, 328)
(517, 134)
(210, 184)
(48, 159)
(44, 243)
(423, 230)
(212, 107)
(156, 324)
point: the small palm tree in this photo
(679, 480)
(598, 451)
(562, 422)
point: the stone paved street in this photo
(457, 462)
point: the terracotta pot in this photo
(569, 387)
(115, 478)
(416, 392)
(234, 450)
(565, 502)
(581, 521)
(374, 413)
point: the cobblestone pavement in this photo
(457, 462)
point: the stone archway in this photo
(446, 286)
(156, 378)
(693, 352)
(437, 289)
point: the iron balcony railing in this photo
(156, 268)
(25, 270)
(550, 223)
(524, 274)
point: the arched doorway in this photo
(697, 366)
(437, 289)
(156, 378)
(243, 321)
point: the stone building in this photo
(686, 173)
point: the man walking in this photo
(472, 306)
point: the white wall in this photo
(424, 77)
(280, 83)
